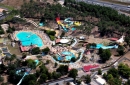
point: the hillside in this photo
(18, 3)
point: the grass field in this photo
(117, 2)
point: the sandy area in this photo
(98, 40)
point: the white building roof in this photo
(64, 40)
(71, 83)
(101, 81)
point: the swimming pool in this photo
(29, 38)
(36, 61)
(68, 56)
(41, 24)
(73, 29)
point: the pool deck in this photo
(41, 34)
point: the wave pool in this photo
(29, 38)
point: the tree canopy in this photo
(73, 73)
(105, 55)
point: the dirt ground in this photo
(126, 62)
(18, 3)
(98, 40)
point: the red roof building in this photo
(90, 67)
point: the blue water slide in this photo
(22, 78)
(109, 47)
(68, 20)
(104, 47)
(64, 28)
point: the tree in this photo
(127, 40)
(31, 63)
(1, 79)
(12, 57)
(120, 50)
(73, 73)
(24, 55)
(105, 55)
(32, 82)
(35, 50)
(73, 59)
(99, 72)
(113, 72)
(1, 30)
(43, 78)
(93, 45)
(88, 79)
(63, 69)
(55, 65)
(29, 79)
(46, 50)
(124, 70)
(56, 75)
(105, 76)
(88, 46)
(100, 51)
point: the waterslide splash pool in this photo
(68, 56)
(41, 24)
(29, 38)
(104, 47)
(36, 61)
(73, 29)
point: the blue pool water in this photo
(37, 61)
(29, 38)
(41, 24)
(68, 55)
(104, 47)
(73, 29)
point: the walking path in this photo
(30, 21)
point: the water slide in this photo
(104, 47)
(109, 47)
(65, 29)
(63, 26)
(22, 78)
(74, 42)
(69, 20)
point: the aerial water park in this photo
(69, 24)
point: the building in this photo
(100, 80)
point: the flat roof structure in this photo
(90, 67)
(100, 80)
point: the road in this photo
(59, 81)
(118, 7)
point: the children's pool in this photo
(68, 55)
(73, 29)
(29, 38)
